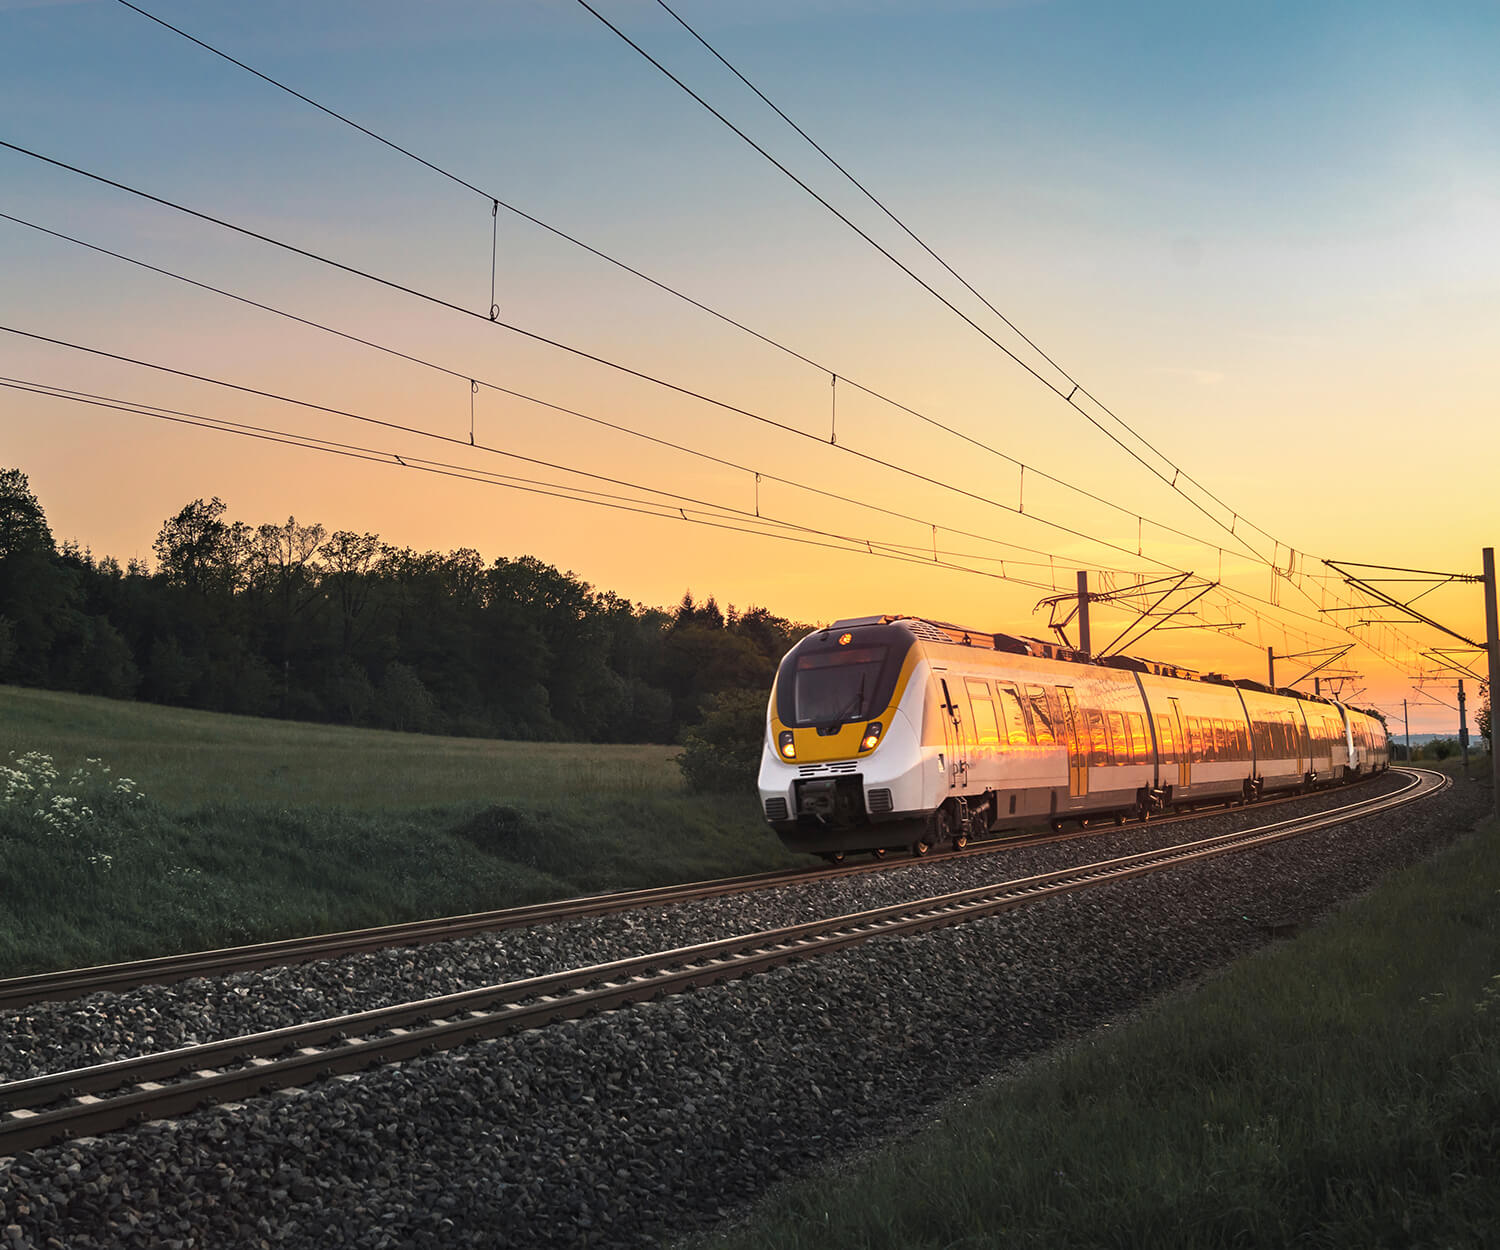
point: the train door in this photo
(1184, 762)
(1077, 740)
(956, 733)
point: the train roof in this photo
(1020, 644)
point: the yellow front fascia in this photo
(815, 748)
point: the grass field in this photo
(183, 758)
(252, 829)
(1342, 1090)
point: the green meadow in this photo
(238, 829)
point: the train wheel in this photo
(878, 852)
(834, 857)
(960, 840)
(921, 846)
(1119, 818)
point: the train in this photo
(896, 732)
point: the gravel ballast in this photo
(624, 1128)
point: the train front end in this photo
(841, 768)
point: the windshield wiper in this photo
(853, 707)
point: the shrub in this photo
(721, 753)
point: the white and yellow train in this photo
(893, 731)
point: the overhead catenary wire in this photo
(703, 514)
(1177, 471)
(460, 375)
(674, 291)
(626, 369)
(1067, 394)
(1076, 388)
(579, 352)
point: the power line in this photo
(1067, 397)
(497, 202)
(611, 364)
(575, 351)
(521, 395)
(715, 520)
(1235, 517)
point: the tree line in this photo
(292, 620)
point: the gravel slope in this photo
(622, 1129)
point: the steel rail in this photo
(244, 1066)
(22, 991)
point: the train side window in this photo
(986, 727)
(1041, 716)
(1221, 738)
(1190, 739)
(1140, 747)
(1061, 728)
(1166, 744)
(1016, 724)
(1262, 739)
(1119, 741)
(1098, 738)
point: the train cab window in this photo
(1166, 744)
(1041, 716)
(986, 727)
(1012, 713)
(1119, 740)
(835, 686)
(1140, 746)
(1098, 738)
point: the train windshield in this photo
(837, 686)
(823, 683)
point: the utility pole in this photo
(1317, 687)
(1406, 717)
(1270, 668)
(1463, 728)
(1085, 642)
(1492, 645)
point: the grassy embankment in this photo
(252, 829)
(1340, 1090)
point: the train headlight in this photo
(787, 745)
(872, 736)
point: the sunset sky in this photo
(1266, 237)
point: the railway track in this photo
(17, 992)
(86, 1101)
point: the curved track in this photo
(46, 1109)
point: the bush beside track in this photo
(241, 830)
(1339, 1090)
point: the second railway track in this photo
(46, 1109)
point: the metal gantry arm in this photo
(1171, 582)
(1430, 578)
